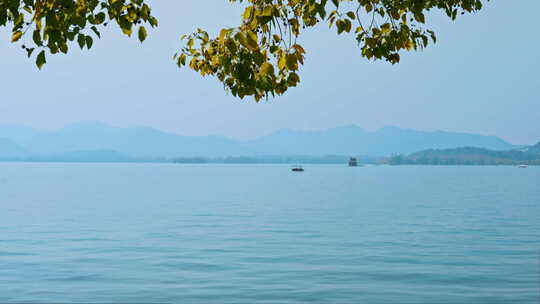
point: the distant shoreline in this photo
(465, 156)
(257, 163)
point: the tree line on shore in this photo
(470, 156)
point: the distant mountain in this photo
(468, 156)
(137, 142)
(17, 134)
(143, 142)
(9, 149)
(385, 141)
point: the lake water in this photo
(164, 233)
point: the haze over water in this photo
(168, 233)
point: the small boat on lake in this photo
(353, 162)
(523, 166)
(297, 169)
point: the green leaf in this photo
(126, 27)
(36, 36)
(182, 60)
(293, 79)
(63, 47)
(420, 17)
(153, 21)
(30, 51)
(89, 42)
(348, 25)
(95, 30)
(40, 60)
(142, 34)
(292, 62)
(81, 40)
(100, 18)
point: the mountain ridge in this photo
(8, 148)
(151, 142)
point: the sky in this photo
(481, 77)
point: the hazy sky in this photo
(481, 77)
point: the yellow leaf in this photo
(252, 40)
(16, 36)
(266, 69)
(282, 63)
(223, 34)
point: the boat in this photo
(297, 169)
(353, 162)
(523, 166)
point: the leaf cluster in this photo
(262, 56)
(55, 25)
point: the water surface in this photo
(167, 233)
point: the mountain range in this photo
(84, 139)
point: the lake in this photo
(166, 233)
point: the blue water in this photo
(166, 233)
